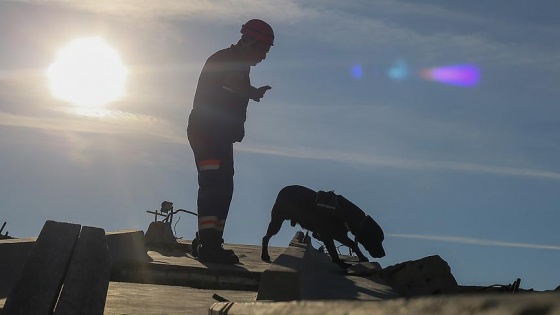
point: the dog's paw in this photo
(265, 258)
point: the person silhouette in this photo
(216, 122)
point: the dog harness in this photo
(326, 199)
(329, 200)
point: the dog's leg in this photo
(273, 229)
(329, 244)
(346, 241)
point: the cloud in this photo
(173, 9)
(364, 25)
(474, 241)
(400, 29)
(155, 129)
(400, 163)
(100, 121)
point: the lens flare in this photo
(356, 72)
(399, 70)
(459, 75)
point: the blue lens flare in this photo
(463, 75)
(399, 70)
(357, 72)
(459, 75)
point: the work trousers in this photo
(214, 162)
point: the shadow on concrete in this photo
(323, 280)
(304, 273)
(171, 252)
(221, 267)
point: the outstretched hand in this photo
(258, 93)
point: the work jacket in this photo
(218, 112)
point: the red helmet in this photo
(259, 30)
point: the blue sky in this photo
(468, 173)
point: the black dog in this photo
(328, 222)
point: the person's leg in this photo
(211, 226)
(214, 196)
(227, 193)
(227, 188)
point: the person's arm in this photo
(236, 84)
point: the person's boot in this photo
(210, 249)
(229, 251)
(216, 255)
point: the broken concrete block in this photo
(127, 246)
(159, 234)
(427, 276)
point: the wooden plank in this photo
(87, 279)
(38, 285)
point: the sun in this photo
(88, 73)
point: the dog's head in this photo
(371, 237)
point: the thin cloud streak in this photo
(172, 9)
(100, 122)
(399, 163)
(474, 241)
(150, 128)
(333, 24)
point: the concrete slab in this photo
(504, 304)
(281, 281)
(349, 294)
(249, 256)
(126, 247)
(173, 267)
(151, 299)
(130, 298)
(148, 299)
(131, 263)
(323, 280)
(303, 273)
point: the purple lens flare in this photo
(460, 75)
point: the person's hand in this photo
(259, 93)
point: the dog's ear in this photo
(374, 228)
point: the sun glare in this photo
(88, 73)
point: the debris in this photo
(5, 236)
(219, 298)
(159, 233)
(427, 276)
